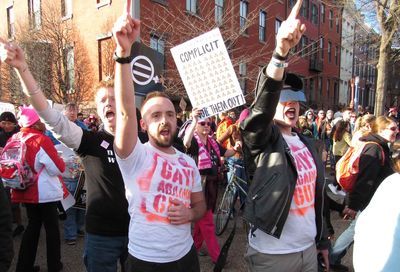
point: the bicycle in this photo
(225, 207)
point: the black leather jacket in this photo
(268, 159)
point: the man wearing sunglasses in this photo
(285, 199)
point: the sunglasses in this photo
(204, 123)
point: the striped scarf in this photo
(204, 159)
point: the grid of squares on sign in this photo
(209, 79)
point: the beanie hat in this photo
(27, 116)
(8, 116)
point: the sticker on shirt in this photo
(104, 144)
(304, 193)
(163, 181)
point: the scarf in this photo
(204, 159)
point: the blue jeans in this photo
(102, 253)
(239, 172)
(343, 243)
(75, 217)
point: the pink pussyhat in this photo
(27, 116)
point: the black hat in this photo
(8, 116)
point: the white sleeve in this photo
(135, 160)
(197, 181)
(43, 158)
(64, 130)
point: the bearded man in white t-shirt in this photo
(286, 197)
(162, 185)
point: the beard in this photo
(161, 141)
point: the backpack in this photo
(14, 170)
(347, 167)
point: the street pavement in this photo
(73, 261)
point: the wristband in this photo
(278, 63)
(278, 56)
(122, 60)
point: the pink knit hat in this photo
(27, 116)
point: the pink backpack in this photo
(14, 170)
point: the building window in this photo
(331, 19)
(291, 3)
(262, 26)
(157, 44)
(312, 90)
(323, 13)
(321, 47)
(304, 8)
(242, 76)
(106, 62)
(34, 11)
(219, 11)
(243, 15)
(304, 46)
(11, 22)
(336, 55)
(328, 88)
(320, 89)
(69, 71)
(191, 6)
(66, 9)
(314, 14)
(329, 52)
(277, 25)
(337, 25)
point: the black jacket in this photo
(269, 161)
(371, 172)
(6, 241)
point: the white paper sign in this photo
(207, 73)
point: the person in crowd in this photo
(341, 142)
(206, 152)
(6, 241)
(374, 250)
(223, 125)
(393, 113)
(304, 127)
(360, 111)
(363, 126)
(41, 198)
(163, 185)
(320, 119)
(107, 218)
(371, 174)
(80, 117)
(10, 127)
(71, 111)
(310, 117)
(285, 200)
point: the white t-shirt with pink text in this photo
(300, 229)
(151, 179)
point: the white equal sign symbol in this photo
(142, 70)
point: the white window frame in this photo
(191, 6)
(157, 43)
(66, 9)
(243, 13)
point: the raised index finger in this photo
(128, 6)
(295, 10)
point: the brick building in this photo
(248, 28)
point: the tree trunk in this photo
(381, 80)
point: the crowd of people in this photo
(146, 184)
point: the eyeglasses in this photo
(204, 123)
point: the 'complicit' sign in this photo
(207, 73)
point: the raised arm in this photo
(13, 55)
(188, 136)
(125, 32)
(67, 132)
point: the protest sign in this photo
(207, 73)
(182, 104)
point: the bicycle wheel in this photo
(224, 210)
